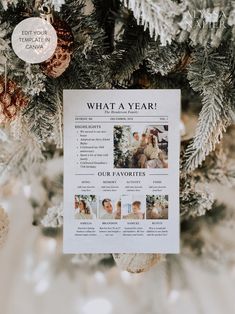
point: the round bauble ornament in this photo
(137, 263)
(4, 226)
(59, 62)
(12, 100)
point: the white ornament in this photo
(137, 263)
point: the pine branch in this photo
(18, 127)
(219, 167)
(195, 197)
(20, 158)
(130, 51)
(39, 114)
(6, 54)
(57, 4)
(8, 20)
(164, 59)
(4, 47)
(157, 15)
(58, 120)
(89, 67)
(106, 12)
(209, 75)
(205, 22)
(33, 81)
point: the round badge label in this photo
(34, 40)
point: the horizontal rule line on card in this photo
(113, 122)
(158, 174)
(84, 174)
(120, 116)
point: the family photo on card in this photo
(141, 146)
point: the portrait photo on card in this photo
(85, 207)
(140, 146)
(133, 206)
(109, 207)
(157, 206)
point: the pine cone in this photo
(59, 62)
(12, 100)
(4, 226)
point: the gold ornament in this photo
(12, 100)
(4, 226)
(137, 263)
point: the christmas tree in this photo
(111, 44)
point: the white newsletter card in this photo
(121, 171)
